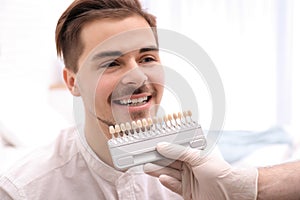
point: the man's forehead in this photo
(110, 35)
(128, 41)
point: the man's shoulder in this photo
(42, 161)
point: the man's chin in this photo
(121, 117)
(139, 115)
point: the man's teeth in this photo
(133, 101)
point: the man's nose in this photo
(135, 76)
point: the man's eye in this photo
(109, 64)
(148, 59)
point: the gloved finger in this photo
(176, 164)
(179, 152)
(157, 170)
(172, 183)
(187, 176)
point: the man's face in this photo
(120, 77)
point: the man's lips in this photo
(134, 100)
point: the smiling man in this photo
(119, 76)
(111, 55)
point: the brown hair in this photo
(68, 29)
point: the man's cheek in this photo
(160, 91)
(156, 74)
(102, 94)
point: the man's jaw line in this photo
(106, 122)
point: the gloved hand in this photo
(203, 178)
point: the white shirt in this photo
(69, 170)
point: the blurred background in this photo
(255, 45)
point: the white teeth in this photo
(123, 101)
(140, 99)
(133, 101)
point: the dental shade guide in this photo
(134, 143)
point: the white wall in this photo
(295, 61)
(27, 63)
(252, 43)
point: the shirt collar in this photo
(92, 160)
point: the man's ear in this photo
(70, 80)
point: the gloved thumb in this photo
(179, 152)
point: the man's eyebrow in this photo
(119, 53)
(151, 48)
(107, 54)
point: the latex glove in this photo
(204, 178)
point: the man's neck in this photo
(97, 141)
